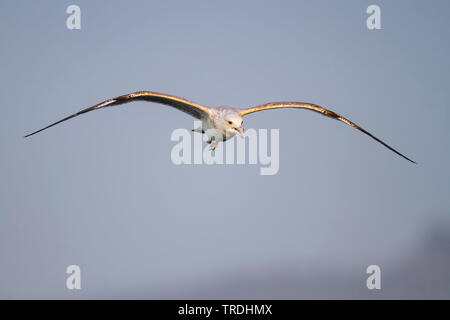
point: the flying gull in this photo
(221, 123)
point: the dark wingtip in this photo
(403, 156)
(30, 134)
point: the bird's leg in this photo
(213, 145)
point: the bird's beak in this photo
(240, 131)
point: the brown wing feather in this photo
(186, 106)
(316, 108)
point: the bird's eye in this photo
(229, 122)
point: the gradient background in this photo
(101, 191)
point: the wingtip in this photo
(409, 159)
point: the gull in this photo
(220, 123)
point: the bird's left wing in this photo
(316, 108)
(186, 106)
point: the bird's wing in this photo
(316, 108)
(193, 109)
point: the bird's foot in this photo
(213, 146)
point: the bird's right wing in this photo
(325, 112)
(186, 106)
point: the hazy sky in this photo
(102, 192)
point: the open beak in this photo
(240, 131)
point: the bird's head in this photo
(232, 122)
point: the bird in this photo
(218, 123)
